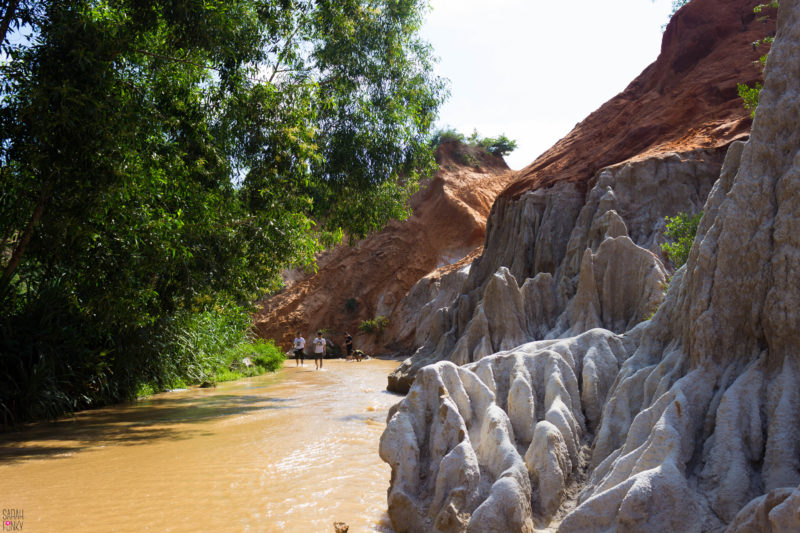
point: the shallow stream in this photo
(293, 451)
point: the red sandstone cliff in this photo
(687, 99)
(359, 282)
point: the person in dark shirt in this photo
(348, 344)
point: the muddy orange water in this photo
(291, 451)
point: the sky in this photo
(532, 69)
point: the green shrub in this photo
(210, 347)
(262, 353)
(54, 361)
(444, 135)
(375, 326)
(145, 389)
(681, 230)
(498, 146)
(501, 145)
(750, 96)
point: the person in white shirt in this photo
(299, 344)
(319, 350)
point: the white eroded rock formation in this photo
(558, 262)
(688, 422)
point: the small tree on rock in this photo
(681, 230)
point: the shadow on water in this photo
(147, 420)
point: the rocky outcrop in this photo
(415, 312)
(497, 444)
(580, 266)
(687, 422)
(775, 512)
(355, 283)
(686, 101)
(653, 150)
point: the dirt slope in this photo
(360, 282)
(686, 100)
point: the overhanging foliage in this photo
(157, 155)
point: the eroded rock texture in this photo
(558, 262)
(651, 151)
(688, 422)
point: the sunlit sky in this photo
(533, 69)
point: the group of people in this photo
(320, 349)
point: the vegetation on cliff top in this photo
(499, 146)
(472, 151)
(159, 157)
(676, 5)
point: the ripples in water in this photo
(290, 452)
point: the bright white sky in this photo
(533, 69)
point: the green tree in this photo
(156, 155)
(681, 230)
(500, 146)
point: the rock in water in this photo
(495, 445)
(687, 422)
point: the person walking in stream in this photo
(348, 344)
(299, 344)
(319, 350)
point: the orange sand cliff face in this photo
(359, 282)
(687, 99)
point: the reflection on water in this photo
(294, 451)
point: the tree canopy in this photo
(157, 154)
(498, 146)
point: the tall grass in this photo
(54, 359)
(208, 347)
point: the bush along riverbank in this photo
(212, 346)
(55, 361)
